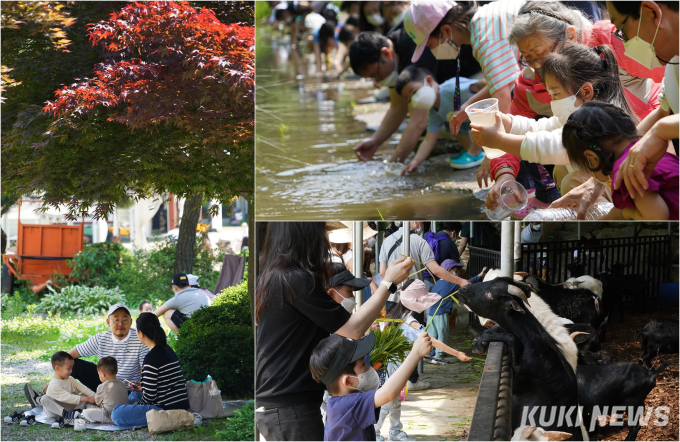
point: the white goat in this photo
(585, 282)
(538, 433)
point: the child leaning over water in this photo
(418, 86)
(340, 364)
(598, 137)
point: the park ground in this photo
(27, 342)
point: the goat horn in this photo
(516, 291)
(576, 333)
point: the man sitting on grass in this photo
(119, 342)
(180, 307)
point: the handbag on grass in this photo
(169, 420)
(205, 399)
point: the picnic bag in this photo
(169, 420)
(205, 399)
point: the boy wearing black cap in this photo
(343, 285)
(340, 364)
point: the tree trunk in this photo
(184, 253)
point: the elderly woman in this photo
(541, 28)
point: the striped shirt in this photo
(163, 383)
(129, 353)
(489, 30)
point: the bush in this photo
(230, 363)
(97, 264)
(80, 300)
(240, 426)
(223, 351)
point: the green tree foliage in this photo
(168, 108)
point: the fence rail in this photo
(492, 417)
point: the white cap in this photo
(193, 279)
(115, 307)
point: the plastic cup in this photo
(484, 113)
(513, 197)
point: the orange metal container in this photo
(43, 250)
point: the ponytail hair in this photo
(150, 326)
(577, 64)
(596, 126)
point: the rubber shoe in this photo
(59, 423)
(32, 396)
(79, 425)
(466, 161)
(13, 418)
(440, 360)
(28, 421)
(420, 385)
(400, 435)
(434, 361)
(379, 438)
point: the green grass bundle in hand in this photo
(390, 346)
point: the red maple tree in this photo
(168, 63)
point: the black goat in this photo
(585, 336)
(542, 376)
(599, 357)
(657, 337)
(622, 384)
(577, 305)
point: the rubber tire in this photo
(7, 280)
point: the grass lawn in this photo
(28, 342)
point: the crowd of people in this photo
(313, 337)
(587, 92)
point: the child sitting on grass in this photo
(418, 86)
(110, 392)
(598, 137)
(340, 364)
(63, 399)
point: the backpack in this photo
(433, 242)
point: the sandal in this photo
(532, 204)
(28, 421)
(13, 418)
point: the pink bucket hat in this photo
(416, 297)
(422, 17)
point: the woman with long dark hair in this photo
(294, 313)
(163, 386)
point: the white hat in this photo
(193, 279)
(342, 236)
(115, 307)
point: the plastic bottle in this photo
(596, 212)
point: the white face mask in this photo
(375, 19)
(446, 51)
(424, 98)
(564, 107)
(390, 80)
(399, 18)
(348, 303)
(368, 381)
(641, 51)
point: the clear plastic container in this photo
(483, 113)
(596, 212)
(393, 168)
(513, 197)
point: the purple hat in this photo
(422, 17)
(448, 264)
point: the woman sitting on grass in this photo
(163, 386)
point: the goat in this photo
(577, 305)
(542, 375)
(585, 336)
(622, 384)
(599, 357)
(585, 282)
(657, 337)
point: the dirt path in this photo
(444, 412)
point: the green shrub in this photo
(241, 426)
(97, 264)
(224, 351)
(227, 321)
(80, 300)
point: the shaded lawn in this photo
(27, 345)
